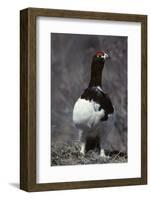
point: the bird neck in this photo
(96, 74)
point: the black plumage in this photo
(98, 96)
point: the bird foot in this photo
(82, 153)
(103, 155)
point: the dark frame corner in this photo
(28, 98)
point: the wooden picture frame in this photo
(28, 98)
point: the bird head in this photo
(100, 56)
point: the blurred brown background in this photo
(71, 56)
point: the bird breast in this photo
(87, 114)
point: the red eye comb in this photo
(99, 53)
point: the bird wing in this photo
(106, 103)
(100, 98)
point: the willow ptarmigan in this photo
(93, 106)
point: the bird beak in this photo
(106, 56)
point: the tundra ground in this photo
(69, 154)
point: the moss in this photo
(69, 154)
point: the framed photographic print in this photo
(83, 99)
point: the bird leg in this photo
(102, 153)
(82, 151)
(82, 142)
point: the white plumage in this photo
(86, 114)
